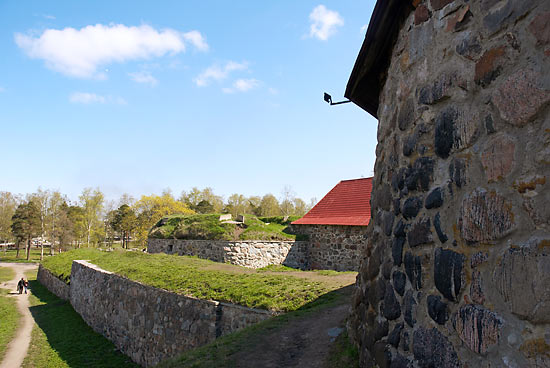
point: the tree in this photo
(76, 217)
(196, 196)
(124, 221)
(269, 206)
(91, 201)
(54, 214)
(207, 194)
(8, 204)
(204, 207)
(26, 224)
(236, 204)
(287, 200)
(150, 209)
(64, 230)
(41, 199)
(300, 207)
(192, 198)
(312, 203)
(254, 203)
(126, 198)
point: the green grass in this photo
(10, 255)
(6, 274)
(220, 353)
(208, 227)
(61, 339)
(282, 268)
(277, 268)
(199, 278)
(9, 317)
(343, 353)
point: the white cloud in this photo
(324, 22)
(218, 73)
(364, 28)
(197, 39)
(144, 77)
(242, 85)
(48, 16)
(80, 52)
(273, 91)
(92, 98)
(86, 98)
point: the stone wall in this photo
(334, 247)
(254, 254)
(150, 324)
(52, 283)
(330, 247)
(458, 273)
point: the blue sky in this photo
(138, 96)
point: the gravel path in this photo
(17, 348)
(305, 342)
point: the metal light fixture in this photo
(328, 99)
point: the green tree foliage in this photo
(150, 209)
(300, 207)
(41, 199)
(237, 204)
(254, 204)
(64, 230)
(195, 196)
(76, 217)
(94, 221)
(124, 221)
(269, 206)
(91, 201)
(204, 207)
(26, 224)
(53, 216)
(8, 204)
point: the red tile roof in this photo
(348, 203)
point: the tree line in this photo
(48, 217)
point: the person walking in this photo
(25, 285)
(20, 285)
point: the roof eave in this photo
(369, 72)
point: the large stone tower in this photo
(458, 267)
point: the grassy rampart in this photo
(209, 227)
(277, 291)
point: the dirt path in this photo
(306, 342)
(17, 348)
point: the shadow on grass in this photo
(68, 335)
(221, 352)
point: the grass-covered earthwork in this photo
(209, 227)
(276, 291)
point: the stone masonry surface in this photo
(253, 254)
(329, 247)
(461, 193)
(146, 323)
(333, 247)
(53, 284)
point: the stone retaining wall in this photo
(458, 273)
(146, 323)
(252, 253)
(52, 283)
